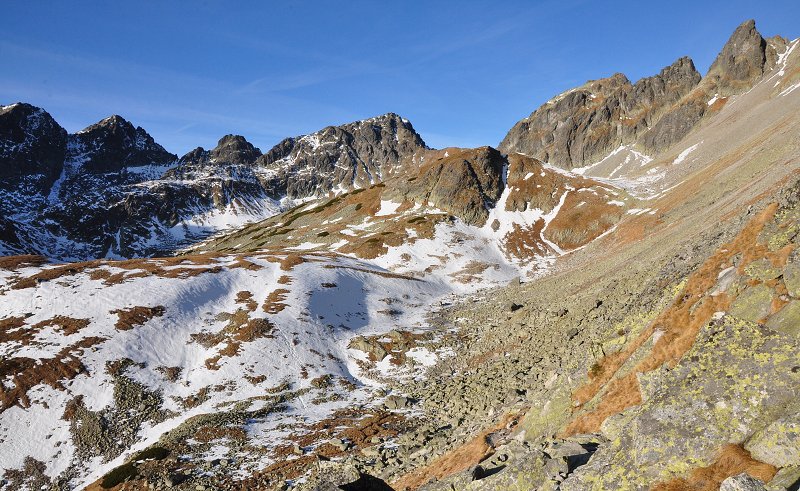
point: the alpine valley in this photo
(608, 300)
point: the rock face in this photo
(466, 184)
(743, 59)
(110, 189)
(32, 146)
(114, 144)
(231, 149)
(583, 125)
(339, 158)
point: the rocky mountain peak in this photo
(32, 143)
(235, 149)
(584, 125)
(113, 144)
(743, 59)
(344, 157)
(682, 68)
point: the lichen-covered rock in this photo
(778, 443)
(742, 482)
(787, 320)
(787, 478)
(753, 304)
(791, 278)
(513, 467)
(737, 377)
(762, 270)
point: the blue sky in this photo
(463, 71)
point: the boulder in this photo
(742, 482)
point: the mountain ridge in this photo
(584, 126)
(427, 319)
(116, 174)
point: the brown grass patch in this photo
(457, 460)
(732, 461)
(718, 104)
(169, 267)
(14, 329)
(576, 225)
(206, 434)
(67, 325)
(524, 192)
(15, 262)
(26, 373)
(136, 316)
(240, 328)
(526, 243)
(50, 274)
(274, 301)
(11, 329)
(246, 298)
(290, 261)
(680, 323)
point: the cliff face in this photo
(585, 124)
(343, 158)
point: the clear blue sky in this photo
(462, 71)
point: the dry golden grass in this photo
(26, 373)
(66, 325)
(680, 323)
(731, 461)
(15, 262)
(274, 301)
(457, 460)
(136, 316)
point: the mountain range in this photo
(608, 300)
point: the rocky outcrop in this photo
(465, 184)
(743, 59)
(114, 144)
(584, 125)
(231, 149)
(32, 145)
(342, 158)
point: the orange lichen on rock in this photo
(732, 461)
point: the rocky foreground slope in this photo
(641, 332)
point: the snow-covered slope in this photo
(101, 359)
(435, 223)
